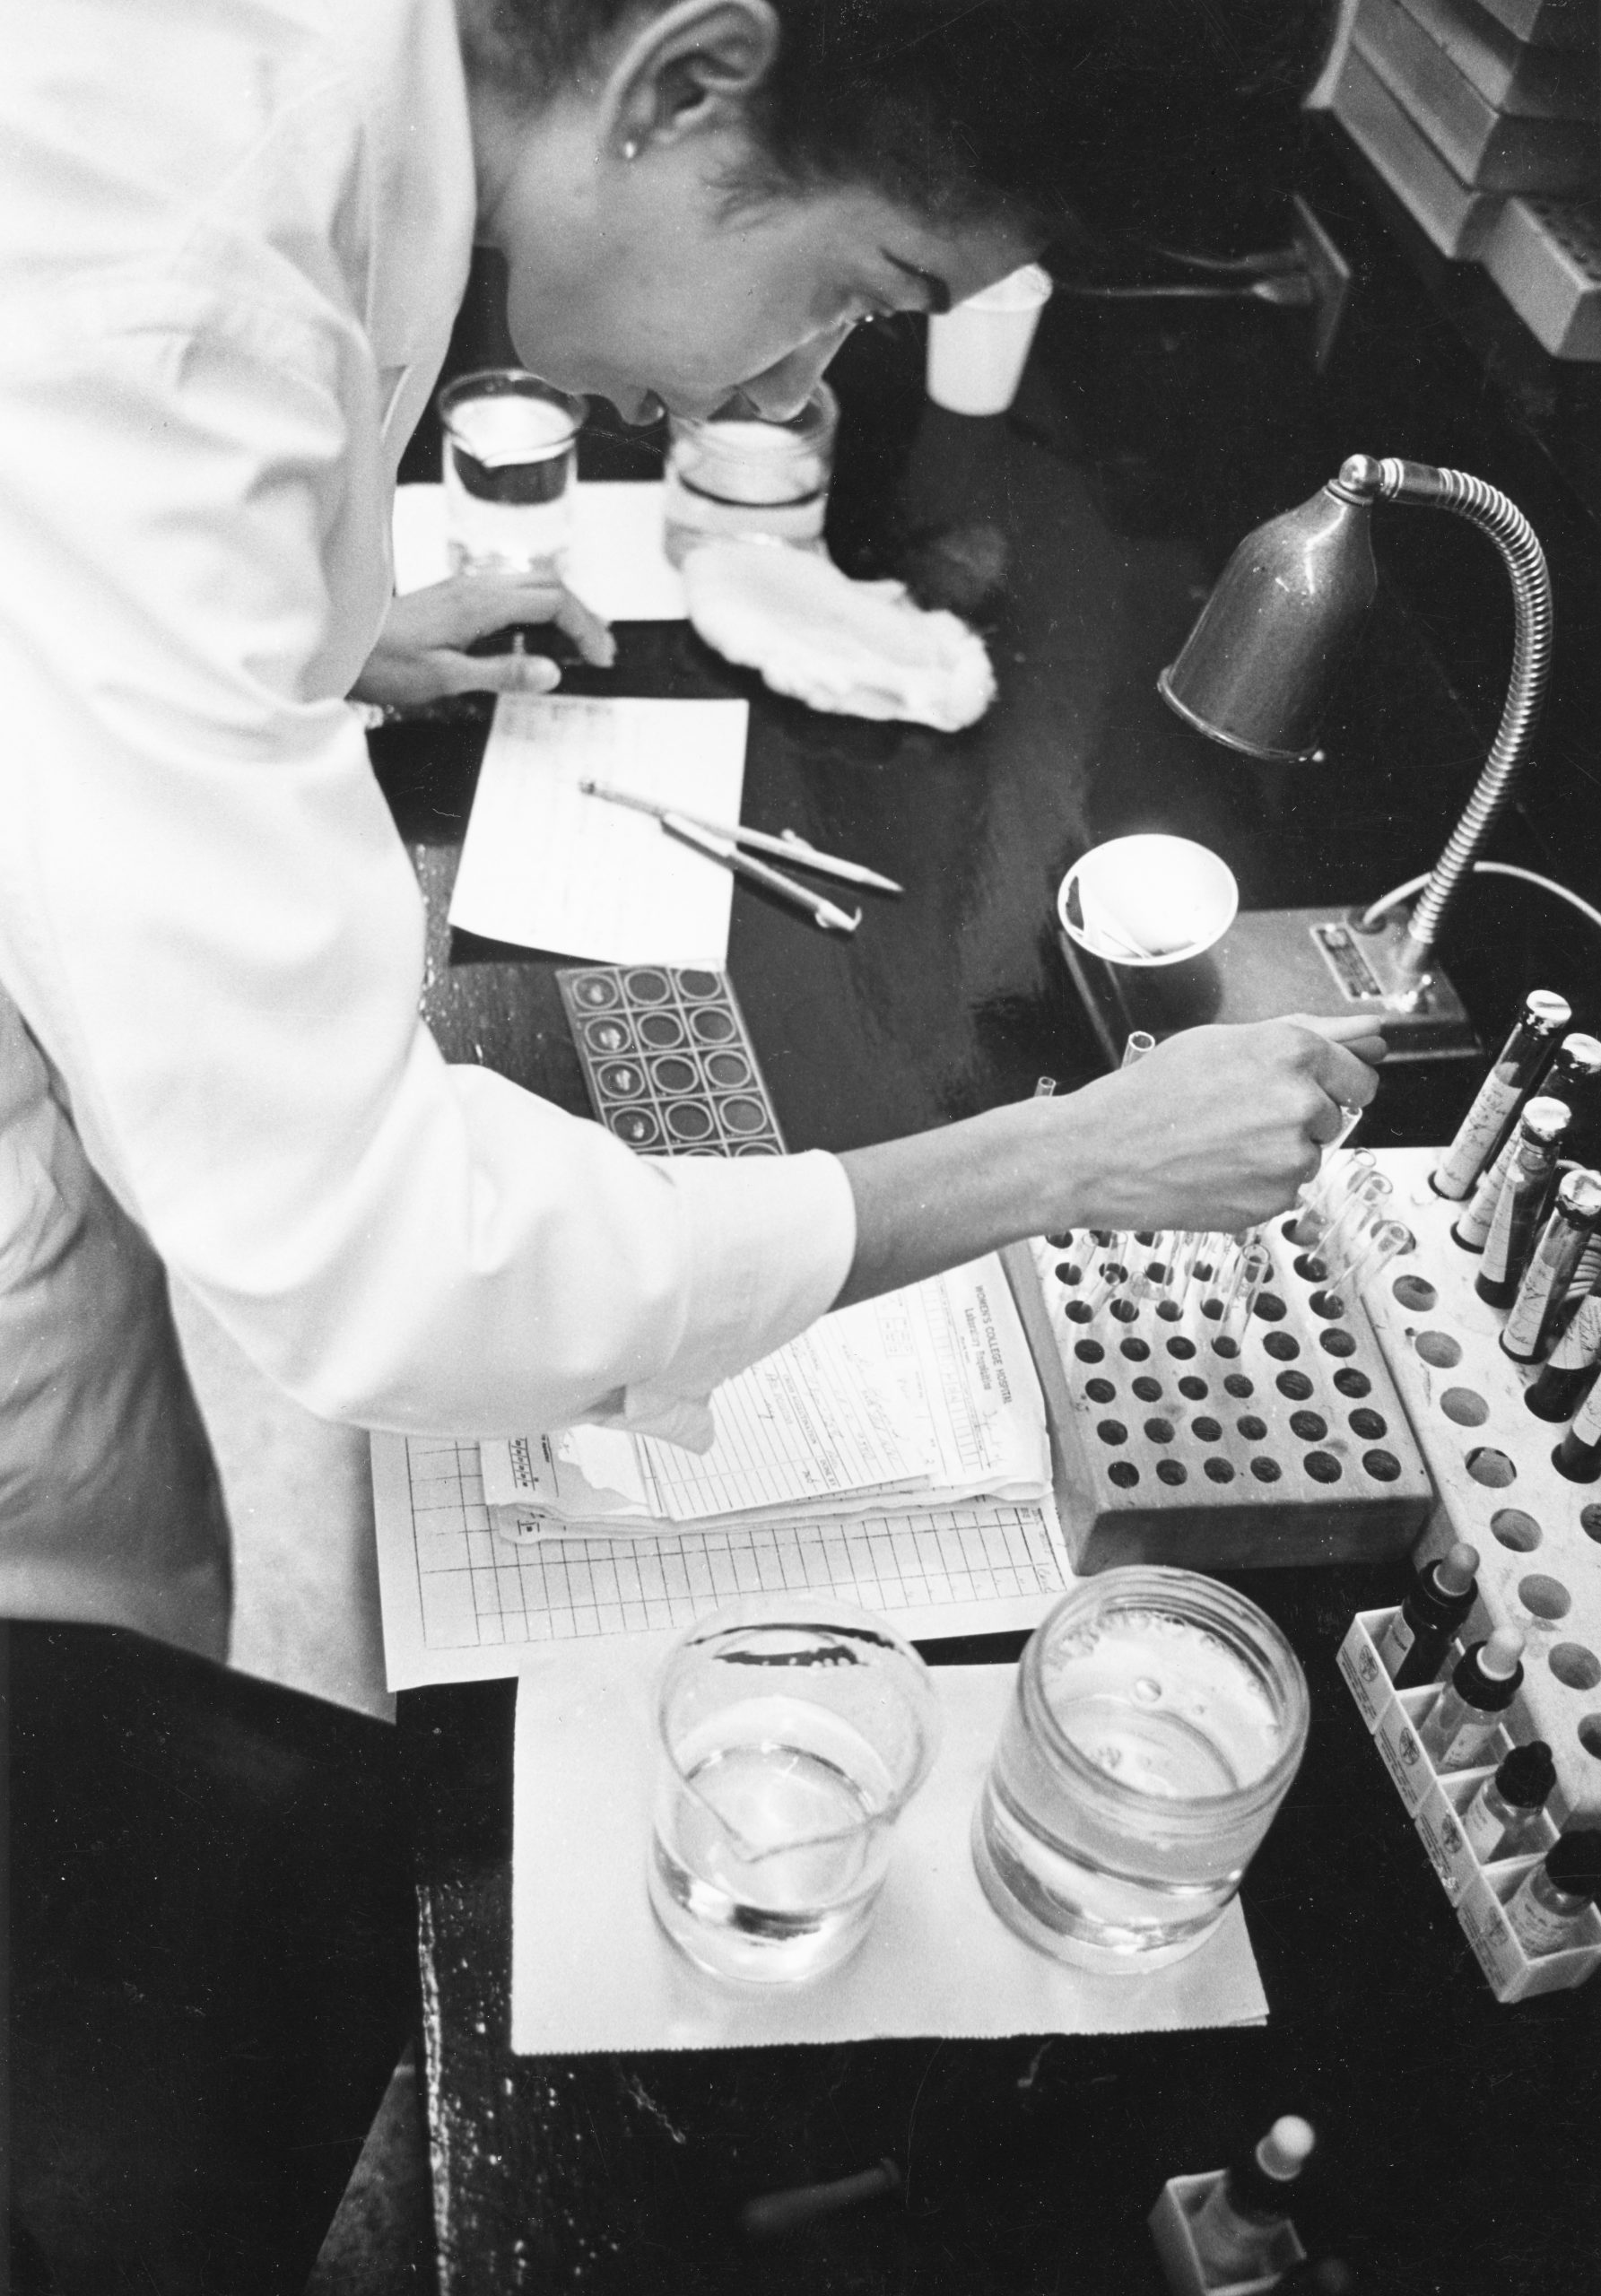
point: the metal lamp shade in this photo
(1258, 669)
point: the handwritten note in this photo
(549, 867)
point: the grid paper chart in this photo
(670, 1068)
(478, 1603)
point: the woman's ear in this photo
(690, 69)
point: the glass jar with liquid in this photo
(1158, 1720)
(731, 477)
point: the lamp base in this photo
(1269, 962)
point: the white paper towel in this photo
(591, 1971)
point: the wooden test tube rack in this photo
(1287, 1444)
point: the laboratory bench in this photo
(1456, 2133)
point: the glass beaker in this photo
(510, 456)
(732, 476)
(794, 1731)
(1157, 1722)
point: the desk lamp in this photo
(1255, 673)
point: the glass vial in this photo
(1547, 1909)
(1515, 1073)
(1536, 1312)
(1550, 1119)
(1464, 1720)
(1503, 1818)
(1238, 2225)
(1416, 1640)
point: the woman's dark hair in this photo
(1060, 108)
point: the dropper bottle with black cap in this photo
(1441, 1594)
(1239, 2226)
(1503, 1818)
(1547, 1909)
(1464, 1720)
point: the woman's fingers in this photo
(482, 603)
(497, 673)
(1359, 1033)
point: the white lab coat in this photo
(233, 234)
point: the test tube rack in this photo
(1174, 1442)
(1435, 1802)
(1538, 1535)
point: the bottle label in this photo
(1580, 1343)
(1536, 1927)
(1498, 1244)
(1481, 1827)
(1474, 1226)
(1587, 1420)
(1543, 1283)
(1468, 1742)
(1229, 2244)
(1459, 1166)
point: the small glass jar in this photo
(732, 476)
(1158, 1720)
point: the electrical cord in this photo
(1285, 288)
(1266, 261)
(1386, 901)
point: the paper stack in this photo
(928, 1396)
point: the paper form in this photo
(931, 1387)
(549, 867)
(461, 1603)
(591, 1971)
(812, 1423)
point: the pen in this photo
(723, 849)
(787, 844)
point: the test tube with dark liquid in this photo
(1514, 1075)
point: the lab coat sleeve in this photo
(210, 922)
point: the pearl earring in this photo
(630, 150)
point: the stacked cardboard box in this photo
(1485, 118)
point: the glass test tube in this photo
(1326, 1191)
(1374, 1248)
(1252, 1268)
(1362, 1209)
(1183, 1244)
(1215, 1272)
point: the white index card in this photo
(550, 867)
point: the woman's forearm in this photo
(1217, 1128)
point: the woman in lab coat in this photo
(232, 241)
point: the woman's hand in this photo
(1216, 1128)
(422, 654)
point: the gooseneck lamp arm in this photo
(1258, 663)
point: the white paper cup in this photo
(977, 350)
(1147, 901)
